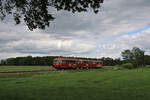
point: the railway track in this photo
(35, 71)
(38, 71)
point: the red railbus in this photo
(69, 63)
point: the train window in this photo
(96, 62)
(90, 62)
(73, 61)
(86, 62)
(57, 61)
(78, 62)
(81, 62)
(64, 61)
(70, 61)
(93, 62)
(99, 62)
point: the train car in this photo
(68, 63)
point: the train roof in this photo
(76, 59)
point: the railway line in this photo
(34, 71)
(41, 71)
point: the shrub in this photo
(117, 67)
(127, 66)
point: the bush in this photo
(127, 66)
(117, 67)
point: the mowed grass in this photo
(24, 68)
(73, 85)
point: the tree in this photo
(35, 13)
(117, 61)
(108, 61)
(134, 56)
(138, 56)
(127, 55)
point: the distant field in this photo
(24, 68)
(73, 85)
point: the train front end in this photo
(57, 63)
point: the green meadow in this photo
(97, 84)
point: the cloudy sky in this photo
(121, 24)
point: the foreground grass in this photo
(24, 68)
(72, 85)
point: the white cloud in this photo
(81, 34)
(140, 40)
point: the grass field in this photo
(24, 68)
(73, 85)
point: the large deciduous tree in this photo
(135, 56)
(35, 13)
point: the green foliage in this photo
(127, 55)
(147, 60)
(127, 66)
(36, 13)
(134, 56)
(29, 60)
(107, 61)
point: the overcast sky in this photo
(121, 24)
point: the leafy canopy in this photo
(135, 56)
(35, 13)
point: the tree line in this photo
(48, 60)
(135, 56)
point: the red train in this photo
(68, 63)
